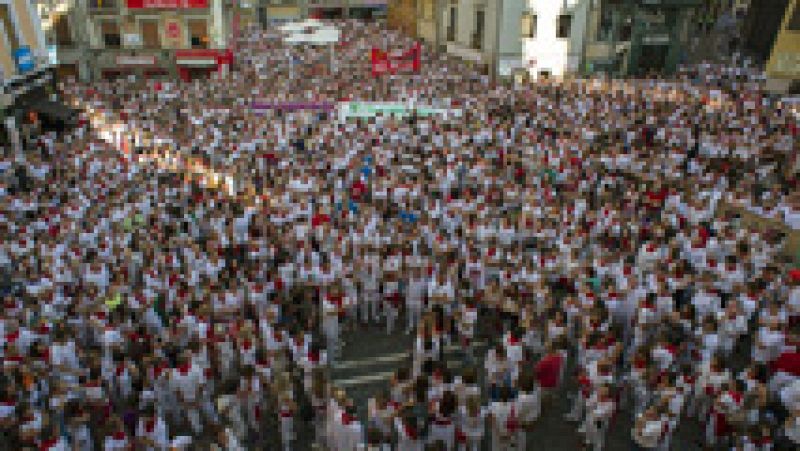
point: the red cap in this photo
(794, 275)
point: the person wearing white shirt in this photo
(528, 408)
(185, 382)
(151, 431)
(415, 293)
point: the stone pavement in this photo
(370, 358)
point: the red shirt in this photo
(548, 369)
(788, 362)
(319, 219)
(358, 189)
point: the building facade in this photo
(341, 9)
(783, 66)
(554, 34)
(485, 32)
(22, 43)
(402, 15)
(149, 38)
(428, 16)
(275, 12)
(635, 37)
(25, 72)
(28, 98)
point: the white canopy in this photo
(294, 27)
(320, 36)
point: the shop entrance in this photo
(327, 13)
(188, 74)
(66, 71)
(653, 58)
(367, 12)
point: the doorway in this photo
(327, 13)
(653, 58)
(66, 72)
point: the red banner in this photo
(385, 62)
(166, 4)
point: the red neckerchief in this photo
(410, 431)
(184, 369)
(47, 444)
(12, 337)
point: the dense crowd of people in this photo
(183, 264)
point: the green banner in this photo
(349, 110)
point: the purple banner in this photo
(294, 106)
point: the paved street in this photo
(370, 358)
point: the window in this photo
(110, 31)
(8, 25)
(477, 37)
(198, 33)
(794, 22)
(626, 31)
(605, 27)
(451, 28)
(63, 34)
(563, 26)
(150, 36)
(528, 25)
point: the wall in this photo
(546, 52)
(510, 53)
(510, 33)
(27, 29)
(6, 61)
(784, 62)
(761, 26)
(26, 25)
(402, 15)
(465, 27)
(426, 20)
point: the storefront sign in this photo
(137, 60)
(203, 57)
(24, 59)
(166, 4)
(132, 39)
(656, 39)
